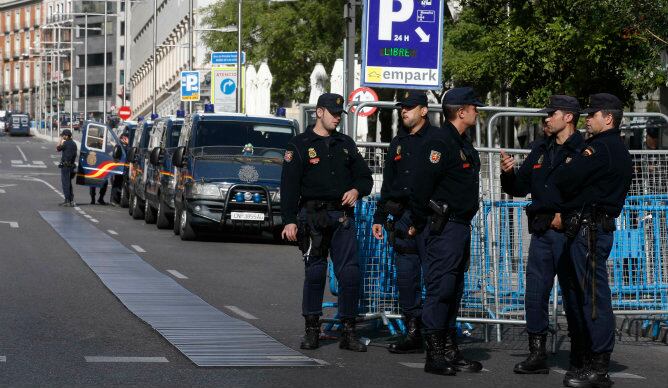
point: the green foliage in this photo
(537, 48)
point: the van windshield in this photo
(234, 133)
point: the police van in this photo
(137, 160)
(228, 173)
(159, 188)
(100, 155)
(19, 124)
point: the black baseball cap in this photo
(562, 102)
(332, 102)
(412, 98)
(603, 101)
(461, 96)
(66, 132)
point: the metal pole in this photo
(239, 57)
(72, 74)
(350, 16)
(127, 52)
(53, 63)
(60, 76)
(86, 67)
(104, 79)
(191, 42)
(155, 43)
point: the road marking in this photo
(138, 248)
(88, 216)
(29, 165)
(54, 156)
(94, 220)
(3, 358)
(17, 162)
(2, 191)
(43, 147)
(22, 154)
(77, 208)
(240, 312)
(115, 233)
(177, 274)
(38, 162)
(124, 359)
(619, 375)
(420, 365)
(56, 163)
(12, 224)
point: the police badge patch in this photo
(92, 158)
(434, 156)
(288, 156)
(589, 151)
(312, 153)
(568, 159)
(248, 174)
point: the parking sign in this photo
(190, 86)
(402, 44)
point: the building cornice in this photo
(11, 4)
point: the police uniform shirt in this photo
(401, 164)
(537, 173)
(600, 175)
(449, 173)
(69, 151)
(321, 168)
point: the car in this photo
(19, 124)
(159, 188)
(137, 160)
(228, 174)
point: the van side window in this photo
(95, 137)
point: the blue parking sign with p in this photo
(190, 89)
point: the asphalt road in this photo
(55, 312)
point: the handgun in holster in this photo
(572, 224)
(439, 218)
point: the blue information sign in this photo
(402, 44)
(226, 58)
(190, 86)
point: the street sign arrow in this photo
(424, 37)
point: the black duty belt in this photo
(315, 204)
(459, 220)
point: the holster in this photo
(439, 218)
(572, 223)
(315, 232)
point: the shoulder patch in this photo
(288, 156)
(434, 156)
(589, 151)
(312, 153)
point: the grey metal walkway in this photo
(207, 336)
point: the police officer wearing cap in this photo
(323, 177)
(547, 251)
(68, 149)
(594, 185)
(401, 163)
(443, 202)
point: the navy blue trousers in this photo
(66, 176)
(578, 294)
(409, 271)
(344, 256)
(447, 258)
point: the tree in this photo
(536, 48)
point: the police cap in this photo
(412, 98)
(603, 101)
(332, 102)
(66, 132)
(563, 103)
(461, 96)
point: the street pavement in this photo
(57, 317)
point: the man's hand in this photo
(350, 197)
(507, 162)
(556, 222)
(289, 232)
(377, 231)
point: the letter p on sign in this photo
(388, 16)
(191, 83)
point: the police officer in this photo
(547, 250)
(594, 185)
(323, 176)
(117, 179)
(68, 149)
(401, 164)
(443, 202)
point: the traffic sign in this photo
(190, 88)
(363, 94)
(226, 58)
(402, 44)
(124, 112)
(224, 88)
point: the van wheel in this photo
(162, 221)
(149, 213)
(176, 225)
(136, 207)
(185, 229)
(125, 197)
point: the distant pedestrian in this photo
(68, 149)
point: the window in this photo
(7, 44)
(122, 5)
(38, 14)
(94, 60)
(26, 74)
(122, 76)
(94, 29)
(122, 53)
(26, 45)
(17, 76)
(17, 19)
(122, 28)
(94, 90)
(17, 44)
(28, 24)
(95, 136)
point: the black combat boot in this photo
(536, 363)
(454, 356)
(412, 342)
(594, 375)
(436, 362)
(348, 339)
(579, 358)
(312, 332)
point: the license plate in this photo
(247, 216)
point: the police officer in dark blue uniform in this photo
(444, 200)
(68, 149)
(547, 252)
(401, 163)
(323, 176)
(594, 185)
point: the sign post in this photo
(402, 47)
(190, 86)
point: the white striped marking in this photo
(94, 220)
(77, 208)
(17, 161)
(88, 216)
(55, 163)
(22, 154)
(420, 365)
(177, 274)
(38, 162)
(12, 224)
(2, 191)
(3, 358)
(124, 359)
(115, 233)
(240, 312)
(619, 375)
(138, 248)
